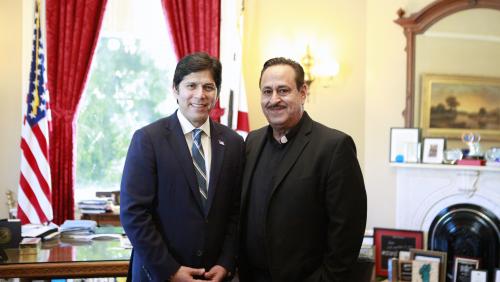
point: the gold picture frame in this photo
(435, 256)
(454, 104)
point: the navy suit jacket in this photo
(316, 214)
(161, 209)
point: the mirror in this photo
(457, 40)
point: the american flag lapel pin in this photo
(221, 142)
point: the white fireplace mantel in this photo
(423, 190)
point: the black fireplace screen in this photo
(466, 230)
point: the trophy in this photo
(11, 204)
(472, 140)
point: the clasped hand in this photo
(188, 274)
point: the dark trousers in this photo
(255, 275)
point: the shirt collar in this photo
(289, 135)
(187, 127)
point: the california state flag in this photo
(233, 100)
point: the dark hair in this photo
(196, 62)
(299, 71)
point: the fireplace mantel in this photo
(423, 190)
(446, 167)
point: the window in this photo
(129, 86)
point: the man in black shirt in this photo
(303, 196)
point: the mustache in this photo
(278, 105)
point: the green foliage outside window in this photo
(125, 91)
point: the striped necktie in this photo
(199, 164)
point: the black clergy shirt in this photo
(261, 186)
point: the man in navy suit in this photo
(303, 196)
(180, 190)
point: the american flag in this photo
(34, 195)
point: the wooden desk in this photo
(103, 219)
(68, 259)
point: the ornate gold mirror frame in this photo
(418, 23)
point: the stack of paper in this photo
(94, 206)
(38, 230)
(78, 227)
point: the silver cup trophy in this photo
(472, 141)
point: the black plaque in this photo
(10, 233)
(391, 245)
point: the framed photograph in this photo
(478, 276)
(367, 248)
(425, 271)
(389, 242)
(404, 145)
(433, 150)
(431, 256)
(462, 268)
(452, 104)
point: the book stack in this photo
(96, 206)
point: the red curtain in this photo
(72, 33)
(195, 27)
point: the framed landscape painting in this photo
(453, 104)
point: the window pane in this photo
(129, 86)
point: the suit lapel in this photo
(251, 161)
(180, 150)
(218, 148)
(293, 153)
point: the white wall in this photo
(11, 76)
(384, 102)
(16, 33)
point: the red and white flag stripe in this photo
(34, 193)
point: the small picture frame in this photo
(404, 145)
(404, 270)
(388, 244)
(404, 255)
(392, 269)
(433, 150)
(431, 256)
(462, 267)
(477, 275)
(425, 271)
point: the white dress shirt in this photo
(187, 130)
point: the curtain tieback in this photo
(65, 115)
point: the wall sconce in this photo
(327, 67)
(307, 63)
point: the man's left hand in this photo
(216, 273)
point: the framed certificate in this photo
(462, 268)
(404, 145)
